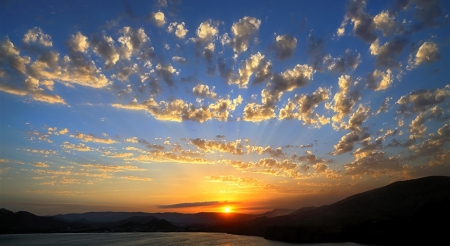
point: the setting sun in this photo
(227, 210)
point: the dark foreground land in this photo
(413, 212)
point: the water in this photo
(153, 238)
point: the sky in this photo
(194, 106)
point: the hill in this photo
(403, 212)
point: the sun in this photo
(227, 209)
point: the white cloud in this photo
(243, 31)
(427, 53)
(202, 91)
(132, 40)
(207, 31)
(378, 80)
(294, 78)
(157, 18)
(178, 28)
(253, 64)
(37, 35)
(285, 46)
(78, 43)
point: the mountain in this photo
(99, 216)
(278, 212)
(198, 219)
(25, 222)
(404, 212)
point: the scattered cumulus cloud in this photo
(157, 18)
(285, 46)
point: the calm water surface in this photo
(153, 238)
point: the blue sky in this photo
(194, 105)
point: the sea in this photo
(149, 238)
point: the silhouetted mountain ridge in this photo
(404, 211)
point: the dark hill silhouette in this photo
(25, 222)
(400, 213)
(99, 216)
(278, 212)
(197, 219)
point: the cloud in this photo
(166, 72)
(104, 47)
(36, 35)
(421, 100)
(254, 64)
(11, 161)
(35, 94)
(132, 41)
(42, 151)
(285, 46)
(240, 181)
(294, 78)
(268, 166)
(350, 60)
(417, 128)
(131, 140)
(16, 81)
(157, 18)
(183, 157)
(312, 159)
(136, 178)
(425, 11)
(363, 24)
(40, 164)
(357, 118)
(80, 147)
(202, 91)
(207, 31)
(179, 59)
(113, 168)
(119, 155)
(315, 50)
(427, 53)
(385, 22)
(208, 52)
(373, 163)
(258, 112)
(347, 142)
(243, 31)
(211, 146)
(388, 53)
(178, 28)
(10, 57)
(194, 204)
(78, 43)
(434, 146)
(222, 109)
(384, 106)
(302, 107)
(390, 132)
(343, 100)
(378, 80)
(306, 146)
(92, 138)
(272, 152)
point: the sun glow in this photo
(227, 209)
